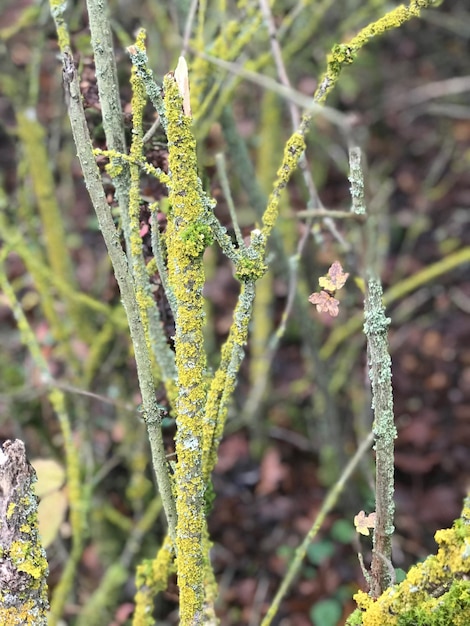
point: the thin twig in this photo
(329, 502)
(151, 131)
(188, 27)
(380, 372)
(278, 60)
(357, 181)
(92, 176)
(306, 102)
(335, 215)
(430, 91)
(108, 87)
(375, 328)
(223, 178)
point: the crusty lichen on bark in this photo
(435, 592)
(23, 564)
(187, 236)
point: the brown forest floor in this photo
(268, 490)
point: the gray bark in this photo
(23, 564)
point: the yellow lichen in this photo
(29, 558)
(292, 153)
(25, 615)
(11, 509)
(345, 53)
(437, 591)
(58, 8)
(186, 237)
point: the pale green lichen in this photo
(249, 269)
(139, 60)
(196, 238)
(250, 264)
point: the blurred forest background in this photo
(300, 410)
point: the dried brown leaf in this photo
(364, 522)
(335, 279)
(325, 303)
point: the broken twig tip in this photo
(182, 80)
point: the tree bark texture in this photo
(23, 564)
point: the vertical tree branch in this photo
(149, 313)
(187, 237)
(225, 378)
(108, 87)
(375, 328)
(376, 331)
(152, 414)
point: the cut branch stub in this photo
(23, 564)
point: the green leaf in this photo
(400, 575)
(318, 552)
(342, 531)
(326, 613)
